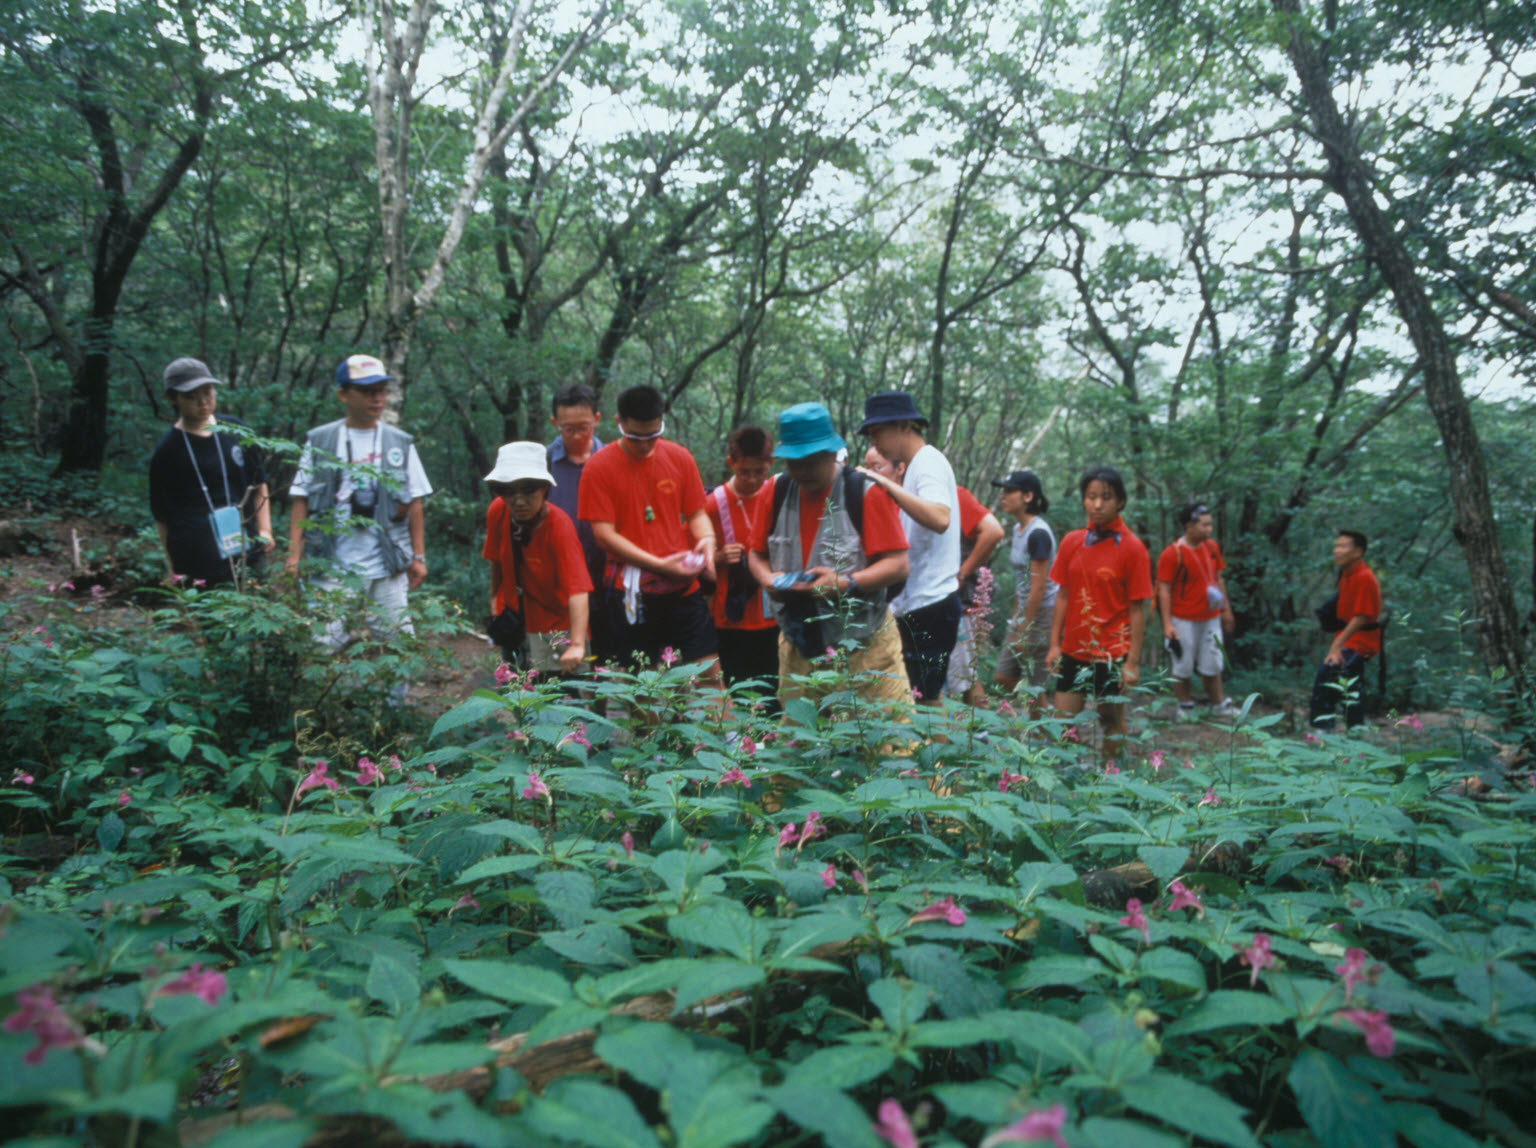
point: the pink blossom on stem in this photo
(1004, 709)
(1184, 898)
(316, 779)
(1379, 1037)
(734, 776)
(945, 910)
(21, 778)
(467, 901)
(747, 746)
(367, 772)
(394, 763)
(41, 1015)
(669, 657)
(1155, 760)
(1009, 779)
(535, 787)
(828, 876)
(1412, 722)
(1256, 956)
(199, 583)
(1110, 769)
(1135, 919)
(860, 880)
(124, 799)
(1187, 764)
(787, 836)
(1043, 1125)
(1210, 798)
(1071, 734)
(504, 674)
(1354, 970)
(893, 1126)
(208, 985)
(98, 592)
(628, 842)
(1312, 739)
(813, 828)
(577, 736)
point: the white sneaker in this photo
(1227, 708)
(1187, 712)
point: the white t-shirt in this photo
(934, 558)
(357, 551)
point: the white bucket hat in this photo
(519, 461)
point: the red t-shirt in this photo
(882, 521)
(618, 488)
(1360, 593)
(552, 567)
(1098, 585)
(744, 513)
(1189, 578)
(971, 511)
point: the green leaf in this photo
(499, 867)
(1164, 861)
(478, 708)
(1422, 1126)
(392, 983)
(1102, 1132)
(516, 984)
(109, 834)
(715, 978)
(179, 744)
(828, 1113)
(725, 926)
(154, 1100)
(1230, 1008)
(268, 1134)
(1191, 1106)
(590, 1114)
(1064, 969)
(1342, 1110)
(1171, 966)
(839, 1066)
(438, 1059)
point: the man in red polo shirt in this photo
(645, 502)
(1356, 622)
(1192, 599)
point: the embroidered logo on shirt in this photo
(395, 457)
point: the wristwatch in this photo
(422, 558)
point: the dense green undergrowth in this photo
(842, 912)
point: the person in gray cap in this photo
(1031, 553)
(928, 608)
(826, 550)
(207, 486)
(357, 503)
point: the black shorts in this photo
(1096, 679)
(678, 621)
(750, 655)
(928, 637)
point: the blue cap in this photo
(361, 371)
(806, 429)
(890, 407)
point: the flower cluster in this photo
(317, 779)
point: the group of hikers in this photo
(617, 553)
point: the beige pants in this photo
(878, 671)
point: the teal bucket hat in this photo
(806, 429)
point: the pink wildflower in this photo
(467, 901)
(917, 694)
(1155, 760)
(577, 736)
(98, 592)
(394, 763)
(908, 773)
(1070, 734)
(1184, 898)
(20, 778)
(41, 1015)
(813, 827)
(1312, 739)
(1135, 919)
(669, 657)
(860, 880)
(1187, 763)
(1042, 1125)
(317, 778)
(945, 910)
(747, 746)
(535, 787)
(504, 674)
(1412, 722)
(828, 876)
(1256, 956)
(1210, 798)
(1004, 709)
(199, 583)
(367, 772)
(1379, 1037)
(788, 836)
(208, 985)
(770, 737)
(124, 799)
(1340, 862)
(1353, 971)
(734, 776)
(1009, 779)
(893, 1126)
(628, 842)
(1110, 769)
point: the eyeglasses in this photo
(576, 428)
(661, 429)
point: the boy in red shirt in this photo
(537, 566)
(1356, 638)
(645, 502)
(1192, 599)
(749, 639)
(1105, 581)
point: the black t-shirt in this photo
(176, 496)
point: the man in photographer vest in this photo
(357, 504)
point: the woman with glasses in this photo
(539, 580)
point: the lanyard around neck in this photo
(197, 470)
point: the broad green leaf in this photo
(714, 978)
(1186, 1104)
(1164, 861)
(392, 983)
(478, 708)
(268, 1134)
(1055, 969)
(1102, 1132)
(725, 926)
(1230, 1008)
(516, 984)
(1422, 1126)
(1342, 1110)
(109, 834)
(828, 1113)
(839, 1066)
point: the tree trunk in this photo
(1498, 627)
